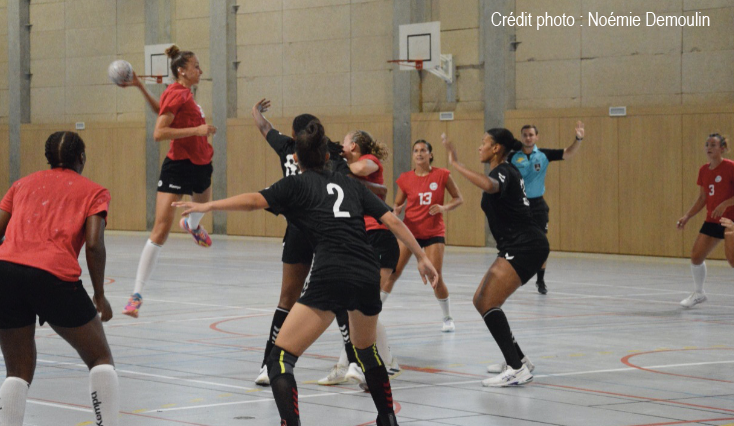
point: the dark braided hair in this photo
(63, 149)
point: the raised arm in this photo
(96, 260)
(699, 204)
(397, 227)
(163, 130)
(261, 122)
(152, 102)
(571, 150)
(485, 183)
(456, 199)
(245, 202)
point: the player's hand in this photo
(191, 207)
(103, 307)
(453, 155)
(206, 130)
(580, 130)
(134, 82)
(682, 222)
(728, 225)
(262, 106)
(398, 209)
(428, 272)
(719, 211)
(436, 209)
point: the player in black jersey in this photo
(522, 246)
(329, 208)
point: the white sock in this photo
(445, 307)
(383, 296)
(105, 391)
(148, 260)
(383, 348)
(193, 220)
(699, 276)
(343, 360)
(13, 394)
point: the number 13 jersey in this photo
(719, 186)
(422, 192)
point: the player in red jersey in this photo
(421, 194)
(46, 218)
(716, 182)
(187, 168)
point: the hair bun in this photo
(172, 51)
(517, 145)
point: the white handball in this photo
(120, 72)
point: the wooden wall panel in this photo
(650, 184)
(246, 162)
(4, 155)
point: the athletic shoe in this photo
(694, 299)
(263, 379)
(200, 235)
(335, 377)
(448, 325)
(498, 368)
(542, 289)
(393, 369)
(355, 374)
(509, 377)
(133, 305)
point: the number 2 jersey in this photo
(508, 213)
(329, 209)
(719, 186)
(421, 193)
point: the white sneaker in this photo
(509, 377)
(448, 325)
(335, 377)
(694, 299)
(355, 374)
(393, 369)
(263, 379)
(498, 368)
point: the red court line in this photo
(397, 410)
(687, 422)
(626, 361)
(109, 280)
(215, 326)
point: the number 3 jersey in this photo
(421, 193)
(329, 208)
(719, 186)
(508, 213)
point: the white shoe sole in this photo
(507, 384)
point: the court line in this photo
(626, 361)
(688, 422)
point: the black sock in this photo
(278, 320)
(541, 275)
(376, 377)
(499, 327)
(283, 385)
(517, 348)
(342, 319)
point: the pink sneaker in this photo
(133, 305)
(200, 235)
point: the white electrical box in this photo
(80, 125)
(618, 111)
(446, 116)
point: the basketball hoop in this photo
(157, 78)
(417, 63)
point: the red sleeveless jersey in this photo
(422, 192)
(719, 186)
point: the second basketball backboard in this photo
(157, 63)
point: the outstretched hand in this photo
(453, 155)
(191, 207)
(262, 106)
(135, 81)
(428, 272)
(580, 132)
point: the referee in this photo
(532, 162)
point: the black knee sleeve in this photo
(280, 362)
(368, 358)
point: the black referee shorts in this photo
(539, 209)
(296, 248)
(525, 263)
(343, 296)
(184, 177)
(386, 248)
(26, 292)
(711, 229)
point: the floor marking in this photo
(626, 359)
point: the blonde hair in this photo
(369, 145)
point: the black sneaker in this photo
(542, 289)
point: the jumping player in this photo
(187, 168)
(522, 246)
(716, 193)
(532, 162)
(329, 208)
(46, 218)
(421, 193)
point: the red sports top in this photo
(370, 223)
(179, 101)
(719, 186)
(47, 224)
(422, 192)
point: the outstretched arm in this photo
(152, 102)
(245, 202)
(485, 183)
(571, 150)
(261, 122)
(425, 267)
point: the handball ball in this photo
(120, 72)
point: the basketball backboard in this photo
(420, 41)
(157, 63)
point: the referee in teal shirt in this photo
(532, 162)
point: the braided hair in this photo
(63, 149)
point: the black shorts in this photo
(343, 296)
(296, 248)
(425, 242)
(386, 248)
(711, 229)
(539, 209)
(525, 263)
(26, 292)
(184, 177)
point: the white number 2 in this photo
(711, 188)
(339, 199)
(425, 198)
